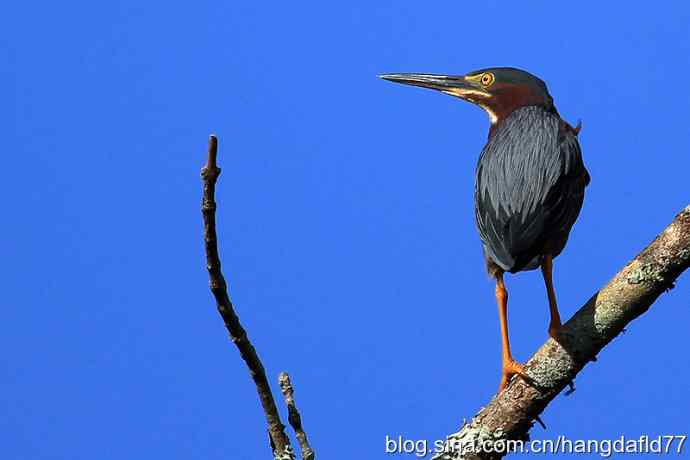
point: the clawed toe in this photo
(511, 368)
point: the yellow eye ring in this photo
(487, 79)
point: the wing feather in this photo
(529, 187)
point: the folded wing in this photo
(529, 188)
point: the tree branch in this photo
(209, 173)
(293, 416)
(510, 414)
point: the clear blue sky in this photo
(345, 214)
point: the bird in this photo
(530, 181)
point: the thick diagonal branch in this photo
(209, 174)
(510, 415)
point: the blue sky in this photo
(345, 220)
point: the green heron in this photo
(529, 184)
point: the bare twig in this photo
(294, 418)
(510, 415)
(279, 441)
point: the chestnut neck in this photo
(509, 98)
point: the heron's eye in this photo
(487, 79)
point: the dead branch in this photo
(510, 414)
(280, 443)
(294, 417)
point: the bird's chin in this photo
(469, 94)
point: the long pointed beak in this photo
(453, 85)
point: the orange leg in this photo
(546, 269)
(510, 366)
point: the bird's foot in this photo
(511, 368)
(554, 330)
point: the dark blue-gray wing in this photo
(529, 189)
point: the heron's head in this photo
(498, 90)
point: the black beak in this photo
(455, 85)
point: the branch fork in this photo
(279, 441)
